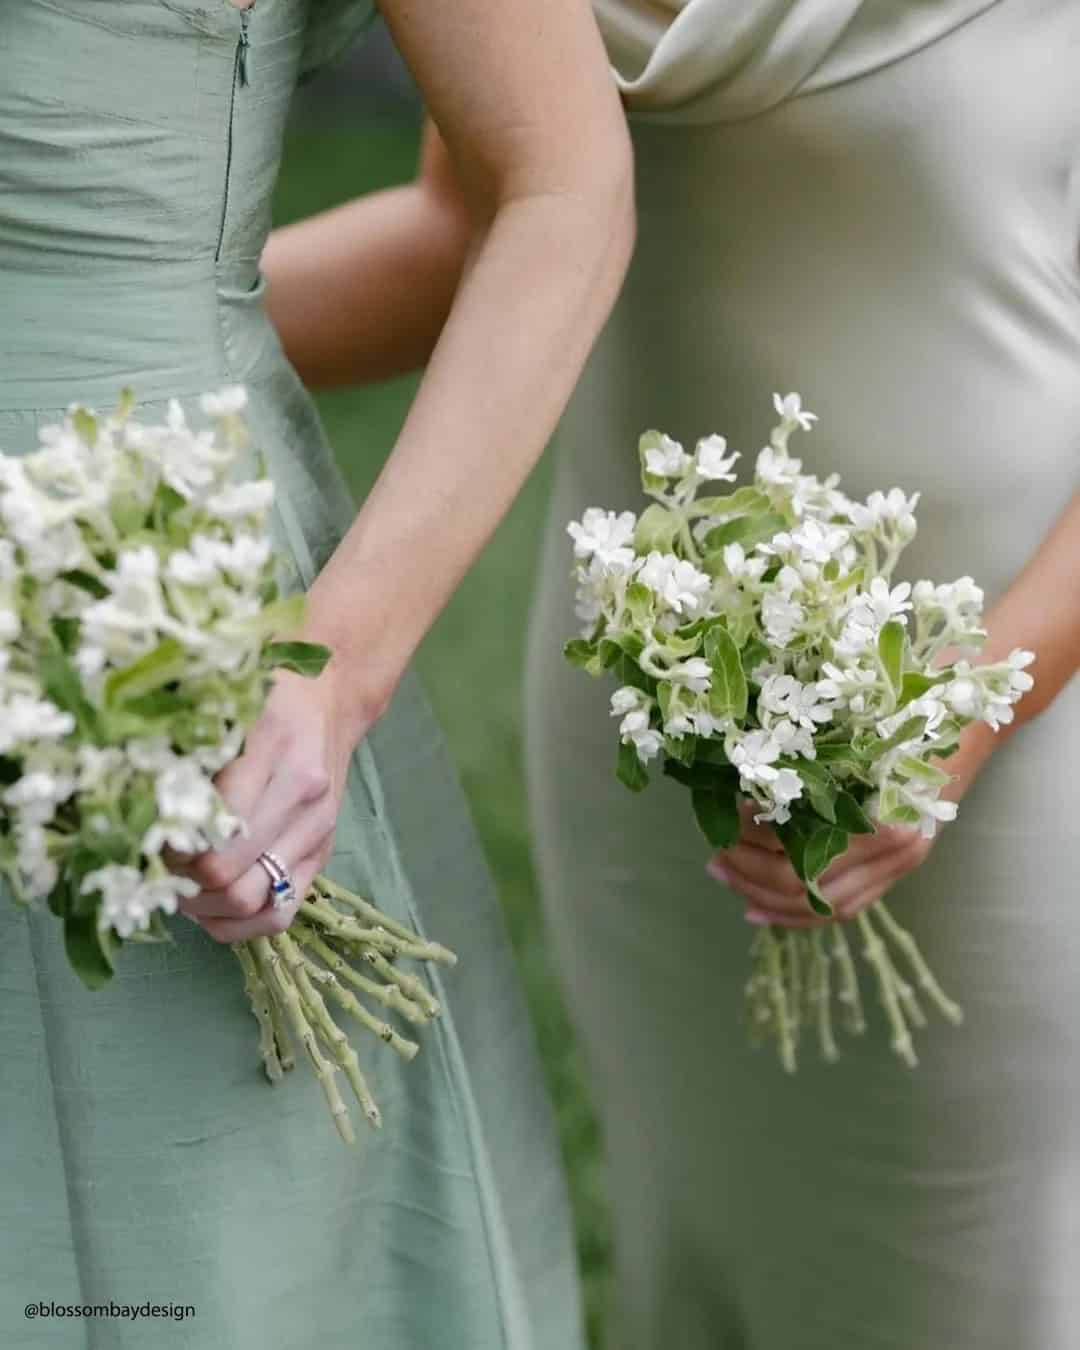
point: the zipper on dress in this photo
(241, 78)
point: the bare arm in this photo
(361, 292)
(523, 99)
(1040, 612)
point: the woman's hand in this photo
(758, 869)
(287, 785)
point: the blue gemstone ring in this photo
(282, 890)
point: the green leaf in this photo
(821, 789)
(825, 844)
(717, 816)
(913, 767)
(165, 663)
(579, 652)
(851, 817)
(681, 748)
(729, 694)
(86, 427)
(743, 501)
(90, 950)
(66, 628)
(86, 581)
(128, 513)
(630, 771)
(656, 530)
(62, 683)
(891, 651)
(641, 603)
(158, 930)
(746, 530)
(915, 684)
(160, 703)
(907, 731)
(702, 775)
(303, 658)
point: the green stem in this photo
(924, 977)
(389, 995)
(273, 972)
(875, 954)
(821, 996)
(780, 1002)
(848, 993)
(262, 1007)
(345, 998)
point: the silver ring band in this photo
(282, 890)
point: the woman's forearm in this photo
(1040, 612)
(360, 293)
(533, 299)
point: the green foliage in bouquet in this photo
(141, 623)
(763, 652)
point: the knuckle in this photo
(241, 903)
(313, 781)
(212, 872)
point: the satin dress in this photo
(143, 1156)
(877, 205)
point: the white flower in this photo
(932, 810)
(635, 730)
(10, 625)
(742, 568)
(753, 753)
(601, 589)
(239, 500)
(24, 718)
(128, 899)
(776, 468)
(604, 535)
(695, 674)
(37, 793)
(894, 508)
(667, 460)
(38, 871)
(713, 461)
(185, 794)
(931, 706)
(96, 764)
(784, 696)
(676, 582)
(781, 617)
(785, 788)
(964, 697)
(789, 407)
(226, 402)
(1019, 680)
(811, 542)
(885, 604)
(626, 699)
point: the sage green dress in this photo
(876, 204)
(143, 1157)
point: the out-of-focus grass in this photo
(463, 653)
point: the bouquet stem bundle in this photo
(291, 977)
(791, 987)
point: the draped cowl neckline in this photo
(699, 61)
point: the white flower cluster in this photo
(763, 643)
(137, 598)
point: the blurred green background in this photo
(356, 131)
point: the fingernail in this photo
(757, 916)
(716, 869)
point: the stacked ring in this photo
(282, 890)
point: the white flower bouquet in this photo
(140, 619)
(764, 652)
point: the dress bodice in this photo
(139, 146)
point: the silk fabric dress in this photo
(143, 1157)
(877, 205)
